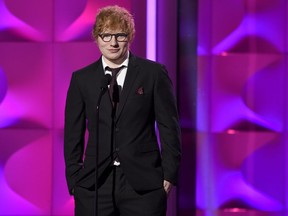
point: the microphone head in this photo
(105, 81)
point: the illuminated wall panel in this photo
(242, 108)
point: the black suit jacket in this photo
(147, 96)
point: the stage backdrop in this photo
(41, 44)
(242, 108)
(240, 93)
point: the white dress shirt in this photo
(121, 74)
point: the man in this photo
(135, 174)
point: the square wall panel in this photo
(26, 20)
(25, 171)
(240, 97)
(235, 167)
(27, 70)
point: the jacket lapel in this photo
(131, 75)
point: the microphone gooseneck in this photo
(105, 81)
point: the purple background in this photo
(228, 63)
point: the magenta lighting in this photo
(41, 44)
(242, 108)
(232, 94)
(151, 30)
(3, 85)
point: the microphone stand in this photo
(104, 85)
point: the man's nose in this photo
(114, 40)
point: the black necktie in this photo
(114, 88)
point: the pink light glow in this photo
(15, 23)
(7, 205)
(80, 26)
(238, 188)
(28, 172)
(151, 30)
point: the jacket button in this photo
(117, 149)
(117, 129)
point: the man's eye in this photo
(106, 35)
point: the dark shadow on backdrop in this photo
(187, 93)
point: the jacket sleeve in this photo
(74, 132)
(168, 125)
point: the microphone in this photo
(105, 82)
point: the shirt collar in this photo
(125, 63)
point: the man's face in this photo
(115, 50)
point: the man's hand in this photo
(167, 186)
